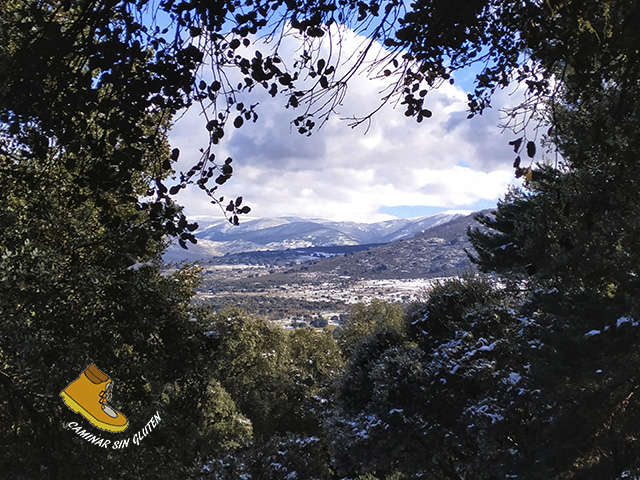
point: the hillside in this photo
(219, 238)
(436, 252)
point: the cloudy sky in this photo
(398, 168)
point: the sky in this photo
(391, 168)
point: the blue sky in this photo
(411, 211)
(393, 168)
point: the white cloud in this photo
(340, 173)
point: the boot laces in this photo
(105, 396)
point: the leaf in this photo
(315, 32)
(161, 188)
(531, 149)
(175, 153)
(516, 144)
(238, 121)
(238, 201)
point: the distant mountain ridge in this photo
(219, 238)
(439, 251)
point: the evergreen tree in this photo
(278, 381)
(434, 399)
(80, 287)
(80, 261)
(570, 238)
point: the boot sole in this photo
(73, 405)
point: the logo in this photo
(89, 395)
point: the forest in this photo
(528, 370)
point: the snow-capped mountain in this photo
(287, 231)
(219, 237)
(438, 251)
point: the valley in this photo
(316, 284)
(290, 298)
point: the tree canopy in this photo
(127, 66)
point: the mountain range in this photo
(439, 251)
(218, 237)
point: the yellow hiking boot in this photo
(89, 395)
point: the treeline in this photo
(476, 382)
(272, 307)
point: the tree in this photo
(112, 56)
(273, 377)
(278, 380)
(362, 320)
(280, 456)
(250, 360)
(80, 269)
(569, 240)
(316, 360)
(569, 237)
(64, 306)
(436, 398)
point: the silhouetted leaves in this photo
(516, 144)
(531, 149)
